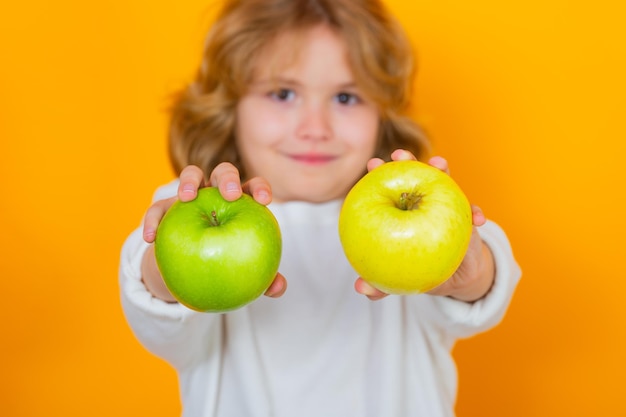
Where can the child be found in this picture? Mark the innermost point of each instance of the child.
(294, 101)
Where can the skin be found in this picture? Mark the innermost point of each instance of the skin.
(308, 121)
(319, 127)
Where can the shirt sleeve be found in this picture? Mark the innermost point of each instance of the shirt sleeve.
(169, 330)
(462, 319)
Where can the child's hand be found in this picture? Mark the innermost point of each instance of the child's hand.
(226, 178)
(474, 277)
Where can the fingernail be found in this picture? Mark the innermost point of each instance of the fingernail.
(369, 291)
(149, 234)
(272, 290)
(232, 187)
(189, 188)
(263, 195)
(364, 288)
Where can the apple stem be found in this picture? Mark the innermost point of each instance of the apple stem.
(214, 221)
(410, 201)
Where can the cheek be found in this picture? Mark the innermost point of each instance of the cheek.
(256, 125)
(362, 132)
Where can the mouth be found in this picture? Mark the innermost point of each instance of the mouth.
(313, 159)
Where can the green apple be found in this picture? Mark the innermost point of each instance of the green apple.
(405, 227)
(215, 255)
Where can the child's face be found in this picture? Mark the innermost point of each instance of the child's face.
(306, 127)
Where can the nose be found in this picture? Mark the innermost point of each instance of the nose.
(314, 123)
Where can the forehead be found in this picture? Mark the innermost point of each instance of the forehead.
(301, 49)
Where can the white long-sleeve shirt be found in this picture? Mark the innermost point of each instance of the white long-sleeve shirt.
(321, 350)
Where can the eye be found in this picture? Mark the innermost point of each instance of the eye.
(282, 94)
(347, 98)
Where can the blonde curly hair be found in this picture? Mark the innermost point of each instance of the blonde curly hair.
(202, 125)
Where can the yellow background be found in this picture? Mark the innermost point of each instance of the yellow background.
(527, 100)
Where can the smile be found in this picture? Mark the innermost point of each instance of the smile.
(313, 159)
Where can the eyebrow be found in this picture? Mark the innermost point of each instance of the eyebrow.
(275, 80)
(280, 80)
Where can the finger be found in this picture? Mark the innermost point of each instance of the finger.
(225, 176)
(278, 287)
(362, 287)
(439, 163)
(402, 155)
(260, 189)
(374, 163)
(478, 217)
(191, 179)
(153, 217)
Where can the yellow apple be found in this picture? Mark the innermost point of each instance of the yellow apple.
(405, 227)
